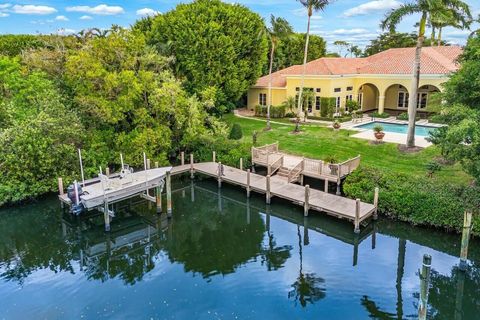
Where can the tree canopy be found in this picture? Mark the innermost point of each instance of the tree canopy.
(389, 40)
(195, 32)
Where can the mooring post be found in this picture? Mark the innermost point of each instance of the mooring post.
(156, 164)
(219, 174)
(325, 189)
(375, 203)
(339, 182)
(106, 216)
(424, 284)
(248, 183)
(192, 171)
(214, 156)
(192, 191)
(267, 194)
(169, 193)
(467, 227)
(158, 198)
(241, 164)
(459, 295)
(306, 206)
(306, 238)
(357, 216)
(107, 171)
(60, 186)
(148, 164)
(182, 158)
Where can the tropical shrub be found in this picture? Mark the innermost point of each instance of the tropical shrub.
(327, 107)
(236, 132)
(379, 115)
(419, 200)
(275, 111)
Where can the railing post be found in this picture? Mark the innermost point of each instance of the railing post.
(248, 183)
(182, 158)
(267, 194)
(219, 174)
(357, 216)
(169, 194)
(192, 171)
(326, 186)
(241, 164)
(375, 203)
(467, 227)
(424, 284)
(306, 206)
(303, 168)
(268, 163)
(321, 167)
(60, 186)
(214, 156)
(339, 180)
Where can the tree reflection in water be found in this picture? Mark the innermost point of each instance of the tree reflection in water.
(308, 288)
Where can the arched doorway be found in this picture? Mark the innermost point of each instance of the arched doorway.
(396, 98)
(368, 95)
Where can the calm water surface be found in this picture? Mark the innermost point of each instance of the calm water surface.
(223, 257)
(423, 131)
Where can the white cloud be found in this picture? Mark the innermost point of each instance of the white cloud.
(147, 12)
(61, 18)
(64, 31)
(5, 6)
(102, 9)
(32, 9)
(372, 7)
(86, 18)
(3, 14)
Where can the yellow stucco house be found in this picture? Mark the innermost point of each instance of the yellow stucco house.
(378, 83)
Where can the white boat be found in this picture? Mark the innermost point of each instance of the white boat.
(121, 187)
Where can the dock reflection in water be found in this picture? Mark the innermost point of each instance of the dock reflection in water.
(227, 255)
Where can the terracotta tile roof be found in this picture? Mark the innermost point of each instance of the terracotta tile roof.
(434, 60)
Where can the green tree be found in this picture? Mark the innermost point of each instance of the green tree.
(311, 6)
(389, 40)
(14, 44)
(279, 28)
(460, 141)
(215, 44)
(341, 45)
(426, 8)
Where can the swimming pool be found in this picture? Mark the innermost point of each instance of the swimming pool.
(420, 130)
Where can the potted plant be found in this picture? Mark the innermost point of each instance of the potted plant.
(336, 125)
(332, 164)
(378, 132)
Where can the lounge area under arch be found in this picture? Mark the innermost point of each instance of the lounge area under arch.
(368, 96)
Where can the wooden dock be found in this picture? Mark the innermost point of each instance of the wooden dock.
(311, 199)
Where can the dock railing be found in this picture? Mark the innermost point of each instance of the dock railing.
(272, 168)
(348, 166)
(296, 171)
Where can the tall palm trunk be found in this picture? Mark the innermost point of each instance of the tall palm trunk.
(412, 102)
(439, 40)
(302, 82)
(432, 36)
(269, 103)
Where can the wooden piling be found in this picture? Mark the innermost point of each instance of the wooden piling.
(192, 171)
(106, 216)
(156, 164)
(182, 158)
(357, 216)
(467, 227)
(325, 188)
(60, 186)
(375, 203)
(424, 284)
(339, 182)
(107, 171)
(248, 183)
(169, 193)
(267, 194)
(148, 164)
(306, 205)
(214, 156)
(241, 164)
(219, 174)
(158, 198)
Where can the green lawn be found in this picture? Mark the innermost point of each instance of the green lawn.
(318, 142)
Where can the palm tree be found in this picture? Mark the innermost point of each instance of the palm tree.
(311, 6)
(448, 18)
(426, 8)
(279, 28)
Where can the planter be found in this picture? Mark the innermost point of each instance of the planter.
(379, 135)
(336, 126)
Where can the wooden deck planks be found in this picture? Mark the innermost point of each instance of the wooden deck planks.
(319, 200)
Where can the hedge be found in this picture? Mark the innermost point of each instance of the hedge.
(275, 111)
(419, 201)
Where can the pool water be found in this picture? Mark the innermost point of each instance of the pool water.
(422, 131)
(223, 256)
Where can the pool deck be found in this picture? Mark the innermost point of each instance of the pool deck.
(392, 137)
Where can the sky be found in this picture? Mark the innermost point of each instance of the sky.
(355, 21)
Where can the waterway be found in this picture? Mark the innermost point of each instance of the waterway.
(222, 256)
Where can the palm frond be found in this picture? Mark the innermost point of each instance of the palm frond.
(395, 16)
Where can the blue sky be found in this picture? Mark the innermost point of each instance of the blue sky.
(355, 21)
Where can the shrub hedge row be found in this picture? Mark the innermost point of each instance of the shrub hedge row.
(275, 111)
(420, 201)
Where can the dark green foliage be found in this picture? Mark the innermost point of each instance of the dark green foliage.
(12, 45)
(339, 119)
(419, 201)
(236, 132)
(215, 44)
(432, 167)
(389, 40)
(379, 115)
(275, 111)
(404, 116)
(327, 106)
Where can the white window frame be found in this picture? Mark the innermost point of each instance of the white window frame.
(319, 99)
(338, 104)
(419, 98)
(260, 102)
(360, 99)
(405, 99)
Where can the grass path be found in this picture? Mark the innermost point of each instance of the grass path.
(319, 142)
